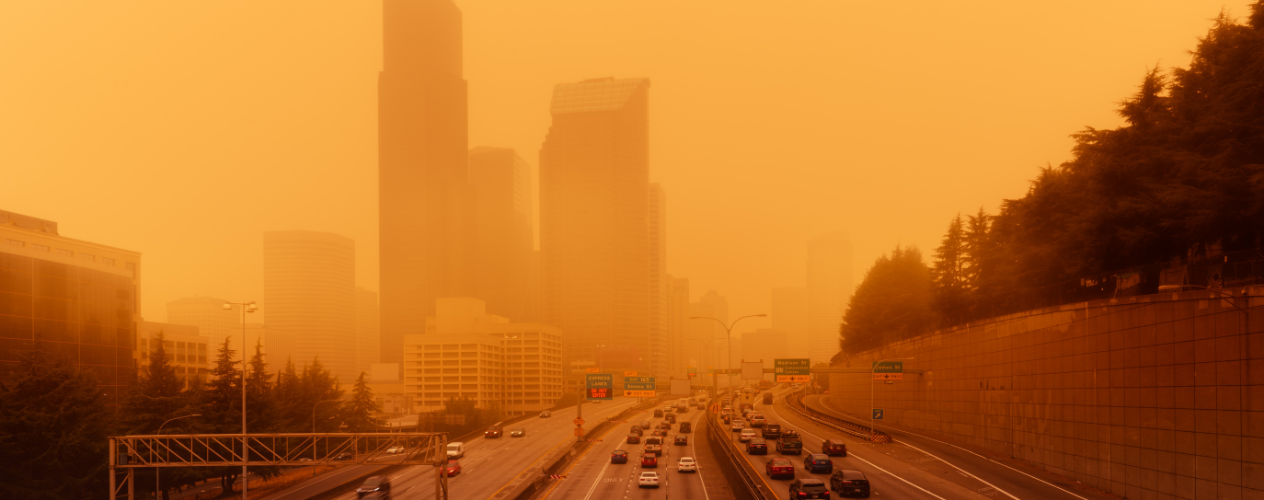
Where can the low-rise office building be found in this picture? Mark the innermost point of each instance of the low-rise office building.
(185, 347)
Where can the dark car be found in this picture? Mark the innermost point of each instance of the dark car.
(686, 427)
(645, 425)
(834, 448)
(671, 417)
(546, 414)
(682, 440)
(818, 462)
(493, 432)
(757, 446)
(664, 425)
(779, 468)
(659, 433)
(658, 413)
(772, 431)
(619, 457)
(376, 484)
(634, 438)
(682, 409)
(636, 429)
(808, 488)
(649, 460)
(517, 432)
(850, 482)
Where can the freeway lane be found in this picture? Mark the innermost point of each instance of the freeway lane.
(493, 466)
(592, 476)
(888, 477)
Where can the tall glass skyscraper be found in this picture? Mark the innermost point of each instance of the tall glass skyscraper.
(309, 292)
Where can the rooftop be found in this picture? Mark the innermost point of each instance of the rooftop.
(600, 94)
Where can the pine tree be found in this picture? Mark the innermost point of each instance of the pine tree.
(892, 303)
(158, 394)
(949, 274)
(261, 404)
(220, 404)
(358, 412)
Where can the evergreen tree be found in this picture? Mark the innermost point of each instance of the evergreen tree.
(288, 394)
(261, 404)
(949, 274)
(358, 412)
(220, 405)
(892, 303)
(157, 396)
(320, 385)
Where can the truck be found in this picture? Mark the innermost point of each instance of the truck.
(789, 443)
(654, 445)
(767, 398)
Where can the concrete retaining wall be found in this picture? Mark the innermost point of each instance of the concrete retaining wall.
(1159, 396)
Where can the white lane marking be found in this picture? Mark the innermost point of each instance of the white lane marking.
(599, 476)
(905, 443)
(853, 454)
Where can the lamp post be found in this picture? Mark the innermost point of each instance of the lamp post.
(873, 368)
(157, 470)
(246, 307)
(318, 403)
(728, 334)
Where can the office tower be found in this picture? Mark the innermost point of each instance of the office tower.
(594, 237)
(660, 284)
(424, 199)
(309, 291)
(677, 321)
(81, 300)
(503, 231)
(188, 352)
(829, 290)
(279, 347)
(710, 346)
(790, 316)
(368, 330)
(764, 344)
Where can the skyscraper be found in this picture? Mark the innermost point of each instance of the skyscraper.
(368, 330)
(424, 199)
(503, 231)
(659, 281)
(677, 321)
(703, 353)
(594, 235)
(309, 291)
(829, 289)
(790, 316)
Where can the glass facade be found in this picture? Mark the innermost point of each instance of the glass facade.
(81, 315)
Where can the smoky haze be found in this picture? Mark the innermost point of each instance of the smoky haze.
(187, 130)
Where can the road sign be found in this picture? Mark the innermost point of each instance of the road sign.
(792, 370)
(640, 394)
(629, 373)
(600, 386)
(888, 367)
(579, 431)
(692, 372)
(877, 413)
(592, 369)
(888, 376)
(578, 421)
(639, 387)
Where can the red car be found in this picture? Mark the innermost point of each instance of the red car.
(834, 448)
(779, 467)
(454, 468)
(650, 460)
(634, 438)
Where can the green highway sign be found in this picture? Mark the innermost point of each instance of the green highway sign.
(888, 367)
(599, 386)
(792, 370)
(638, 387)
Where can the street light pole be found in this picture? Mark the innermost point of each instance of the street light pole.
(157, 470)
(728, 335)
(714, 385)
(314, 432)
(872, 369)
(246, 307)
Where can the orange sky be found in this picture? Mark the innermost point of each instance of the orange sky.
(183, 130)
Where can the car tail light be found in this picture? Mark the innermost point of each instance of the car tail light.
(803, 495)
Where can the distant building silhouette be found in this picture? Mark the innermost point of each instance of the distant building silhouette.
(677, 326)
(186, 350)
(660, 283)
(594, 234)
(424, 200)
(829, 290)
(504, 232)
(368, 331)
(701, 353)
(790, 316)
(309, 291)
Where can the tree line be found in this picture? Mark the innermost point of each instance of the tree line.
(1182, 178)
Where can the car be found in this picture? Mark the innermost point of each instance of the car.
(670, 418)
(619, 457)
(818, 462)
(686, 427)
(493, 432)
(738, 425)
(772, 431)
(702, 406)
(746, 435)
(343, 456)
(834, 448)
(634, 438)
(686, 464)
(808, 487)
(517, 432)
(658, 413)
(649, 460)
(454, 467)
(757, 446)
(667, 408)
(789, 443)
(649, 479)
(645, 425)
(394, 449)
(658, 433)
(779, 468)
(757, 420)
(456, 449)
(682, 409)
(767, 398)
(664, 425)
(849, 482)
(681, 440)
(306, 459)
(380, 485)
(546, 414)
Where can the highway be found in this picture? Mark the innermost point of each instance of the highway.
(592, 476)
(490, 466)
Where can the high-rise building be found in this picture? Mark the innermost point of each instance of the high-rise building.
(710, 345)
(594, 235)
(790, 316)
(677, 323)
(829, 289)
(186, 350)
(309, 291)
(80, 300)
(424, 198)
(764, 344)
(504, 240)
(368, 330)
(279, 347)
(660, 284)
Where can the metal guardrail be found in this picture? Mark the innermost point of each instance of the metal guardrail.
(795, 401)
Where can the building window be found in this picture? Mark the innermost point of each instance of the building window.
(16, 242)
(87, 256)
(107, 261)
(65, 252)
(42, 248)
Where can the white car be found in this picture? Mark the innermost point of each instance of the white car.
(395, 449)
(648, 480)
(746, 435)
(738, 425)
(686, 464)
(456, 449)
